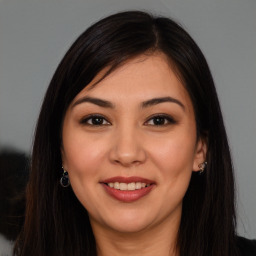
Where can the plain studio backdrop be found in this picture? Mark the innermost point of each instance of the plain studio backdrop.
(35, 34)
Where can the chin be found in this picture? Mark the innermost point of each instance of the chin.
(129, 226)
(128, 222)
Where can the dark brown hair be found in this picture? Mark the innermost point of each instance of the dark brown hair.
(56, 223)
(14, 175)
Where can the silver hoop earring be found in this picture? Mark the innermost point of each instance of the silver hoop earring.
(64, 180)
(202, 167)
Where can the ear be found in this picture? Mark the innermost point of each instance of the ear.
(200, 153)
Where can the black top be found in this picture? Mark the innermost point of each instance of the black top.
(246, 247)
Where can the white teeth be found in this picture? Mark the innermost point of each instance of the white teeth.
(123, 186)
(116, 185)
(138, 185)
(131, 186)
(128, 186)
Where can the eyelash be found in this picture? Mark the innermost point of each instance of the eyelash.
(85, 121)
(168, 120)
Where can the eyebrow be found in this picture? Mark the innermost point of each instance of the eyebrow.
(156, 101)
(144, 104)
(96, 101)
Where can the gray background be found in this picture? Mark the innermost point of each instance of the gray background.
(35, 34)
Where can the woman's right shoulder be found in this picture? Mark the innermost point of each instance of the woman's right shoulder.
(246, 246)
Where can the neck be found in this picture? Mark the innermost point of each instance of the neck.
(158, 240)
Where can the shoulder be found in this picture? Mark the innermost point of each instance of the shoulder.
(246, 246)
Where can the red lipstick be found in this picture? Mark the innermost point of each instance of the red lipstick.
(127, 180)
(128, 195)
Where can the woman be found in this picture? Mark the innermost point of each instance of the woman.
(130, 154)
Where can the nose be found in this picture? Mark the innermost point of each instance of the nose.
(127, 148)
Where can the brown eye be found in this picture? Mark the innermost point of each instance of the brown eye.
(95, 120)
(160, 120)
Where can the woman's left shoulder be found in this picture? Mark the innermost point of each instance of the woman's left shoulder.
(246, 246)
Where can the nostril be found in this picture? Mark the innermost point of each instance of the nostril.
(127, 163)
(127, 150)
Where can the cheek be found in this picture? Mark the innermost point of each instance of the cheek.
(176, 164)
(174, 159)
(82, 157)
(174, 154)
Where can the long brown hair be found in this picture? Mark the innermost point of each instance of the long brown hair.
(56, 223)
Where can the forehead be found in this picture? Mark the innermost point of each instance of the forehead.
(138, 79)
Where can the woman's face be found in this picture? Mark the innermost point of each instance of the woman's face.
(130, 145)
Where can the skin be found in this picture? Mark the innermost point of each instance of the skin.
(129, 143)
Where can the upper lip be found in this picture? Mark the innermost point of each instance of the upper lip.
(131, 179)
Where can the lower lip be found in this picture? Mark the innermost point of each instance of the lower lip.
(127, 195)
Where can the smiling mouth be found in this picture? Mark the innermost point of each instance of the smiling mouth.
(128, 189)
(127, 186)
